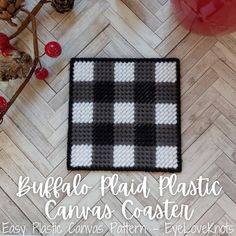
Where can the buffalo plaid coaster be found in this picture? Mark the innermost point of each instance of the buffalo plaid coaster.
(124, 114)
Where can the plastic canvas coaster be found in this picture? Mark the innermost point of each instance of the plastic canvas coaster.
(124, 114)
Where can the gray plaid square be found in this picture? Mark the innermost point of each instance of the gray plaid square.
(123, 134)
(145, 113)
(124, 92)
(103, 112)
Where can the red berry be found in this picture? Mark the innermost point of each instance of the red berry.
(41, 73)
(3, 104)
(4, 41)
(53, 49)
(7, 51)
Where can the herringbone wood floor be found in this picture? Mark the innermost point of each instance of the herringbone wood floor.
(33, 135)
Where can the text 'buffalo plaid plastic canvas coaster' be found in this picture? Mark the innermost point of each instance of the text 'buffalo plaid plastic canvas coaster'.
(124, 114)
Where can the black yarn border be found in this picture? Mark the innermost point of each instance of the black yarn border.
(150, 169)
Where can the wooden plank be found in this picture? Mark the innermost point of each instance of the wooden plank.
(229, 187)
(27, 207)
(132, 37)
(30, 131)
(198, 89)
(59, 154)
(141, 9)
(228, 41)
(223, 142)
(167, 27)
(225, 73)
(120, 43)
(165, 11)
(226, 220)
(33, 166)
(22, 105)
(60, 134)
(227, 166)
(200, 207)
(151, 5)
(191, 134)
(197, 53)
(86, 14)
(225, 55)
(195, 111)
(60, 115)
(13, 213)
(228, 206)
(226, 90)
(25, 145)
(61, 98)
(214, 214)
(185, 46)
(226, 127)
(135, 23)
(197, 71)
(173, 39)
(15, 171)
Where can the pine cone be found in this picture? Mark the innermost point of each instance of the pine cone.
(63, 6)
(9, 8)
(16, 65)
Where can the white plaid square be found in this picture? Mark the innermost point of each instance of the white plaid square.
(165, 72)
(81, 155)
(123, 113)
(166, 157)
(123, 156)
(83, 71)
(166, 113)
(82, 112)
(124, 72)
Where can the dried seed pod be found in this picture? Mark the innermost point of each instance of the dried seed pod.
(15, 65)
(9, 9)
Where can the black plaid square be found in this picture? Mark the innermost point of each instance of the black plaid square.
(145, 92)
(145, 135)
(124, 114)
(103, 91)
(103, 134)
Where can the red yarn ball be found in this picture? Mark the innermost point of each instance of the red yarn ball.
(207, 17)
(41, 73)
(53, 49)
(4, 41)
(3, 104)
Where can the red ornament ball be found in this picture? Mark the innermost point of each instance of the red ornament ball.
(3, 104)
(53, 49)
(207, 17)
(4, 41)
(41, 73)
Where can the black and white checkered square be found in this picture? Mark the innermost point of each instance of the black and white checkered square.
(124, 114)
